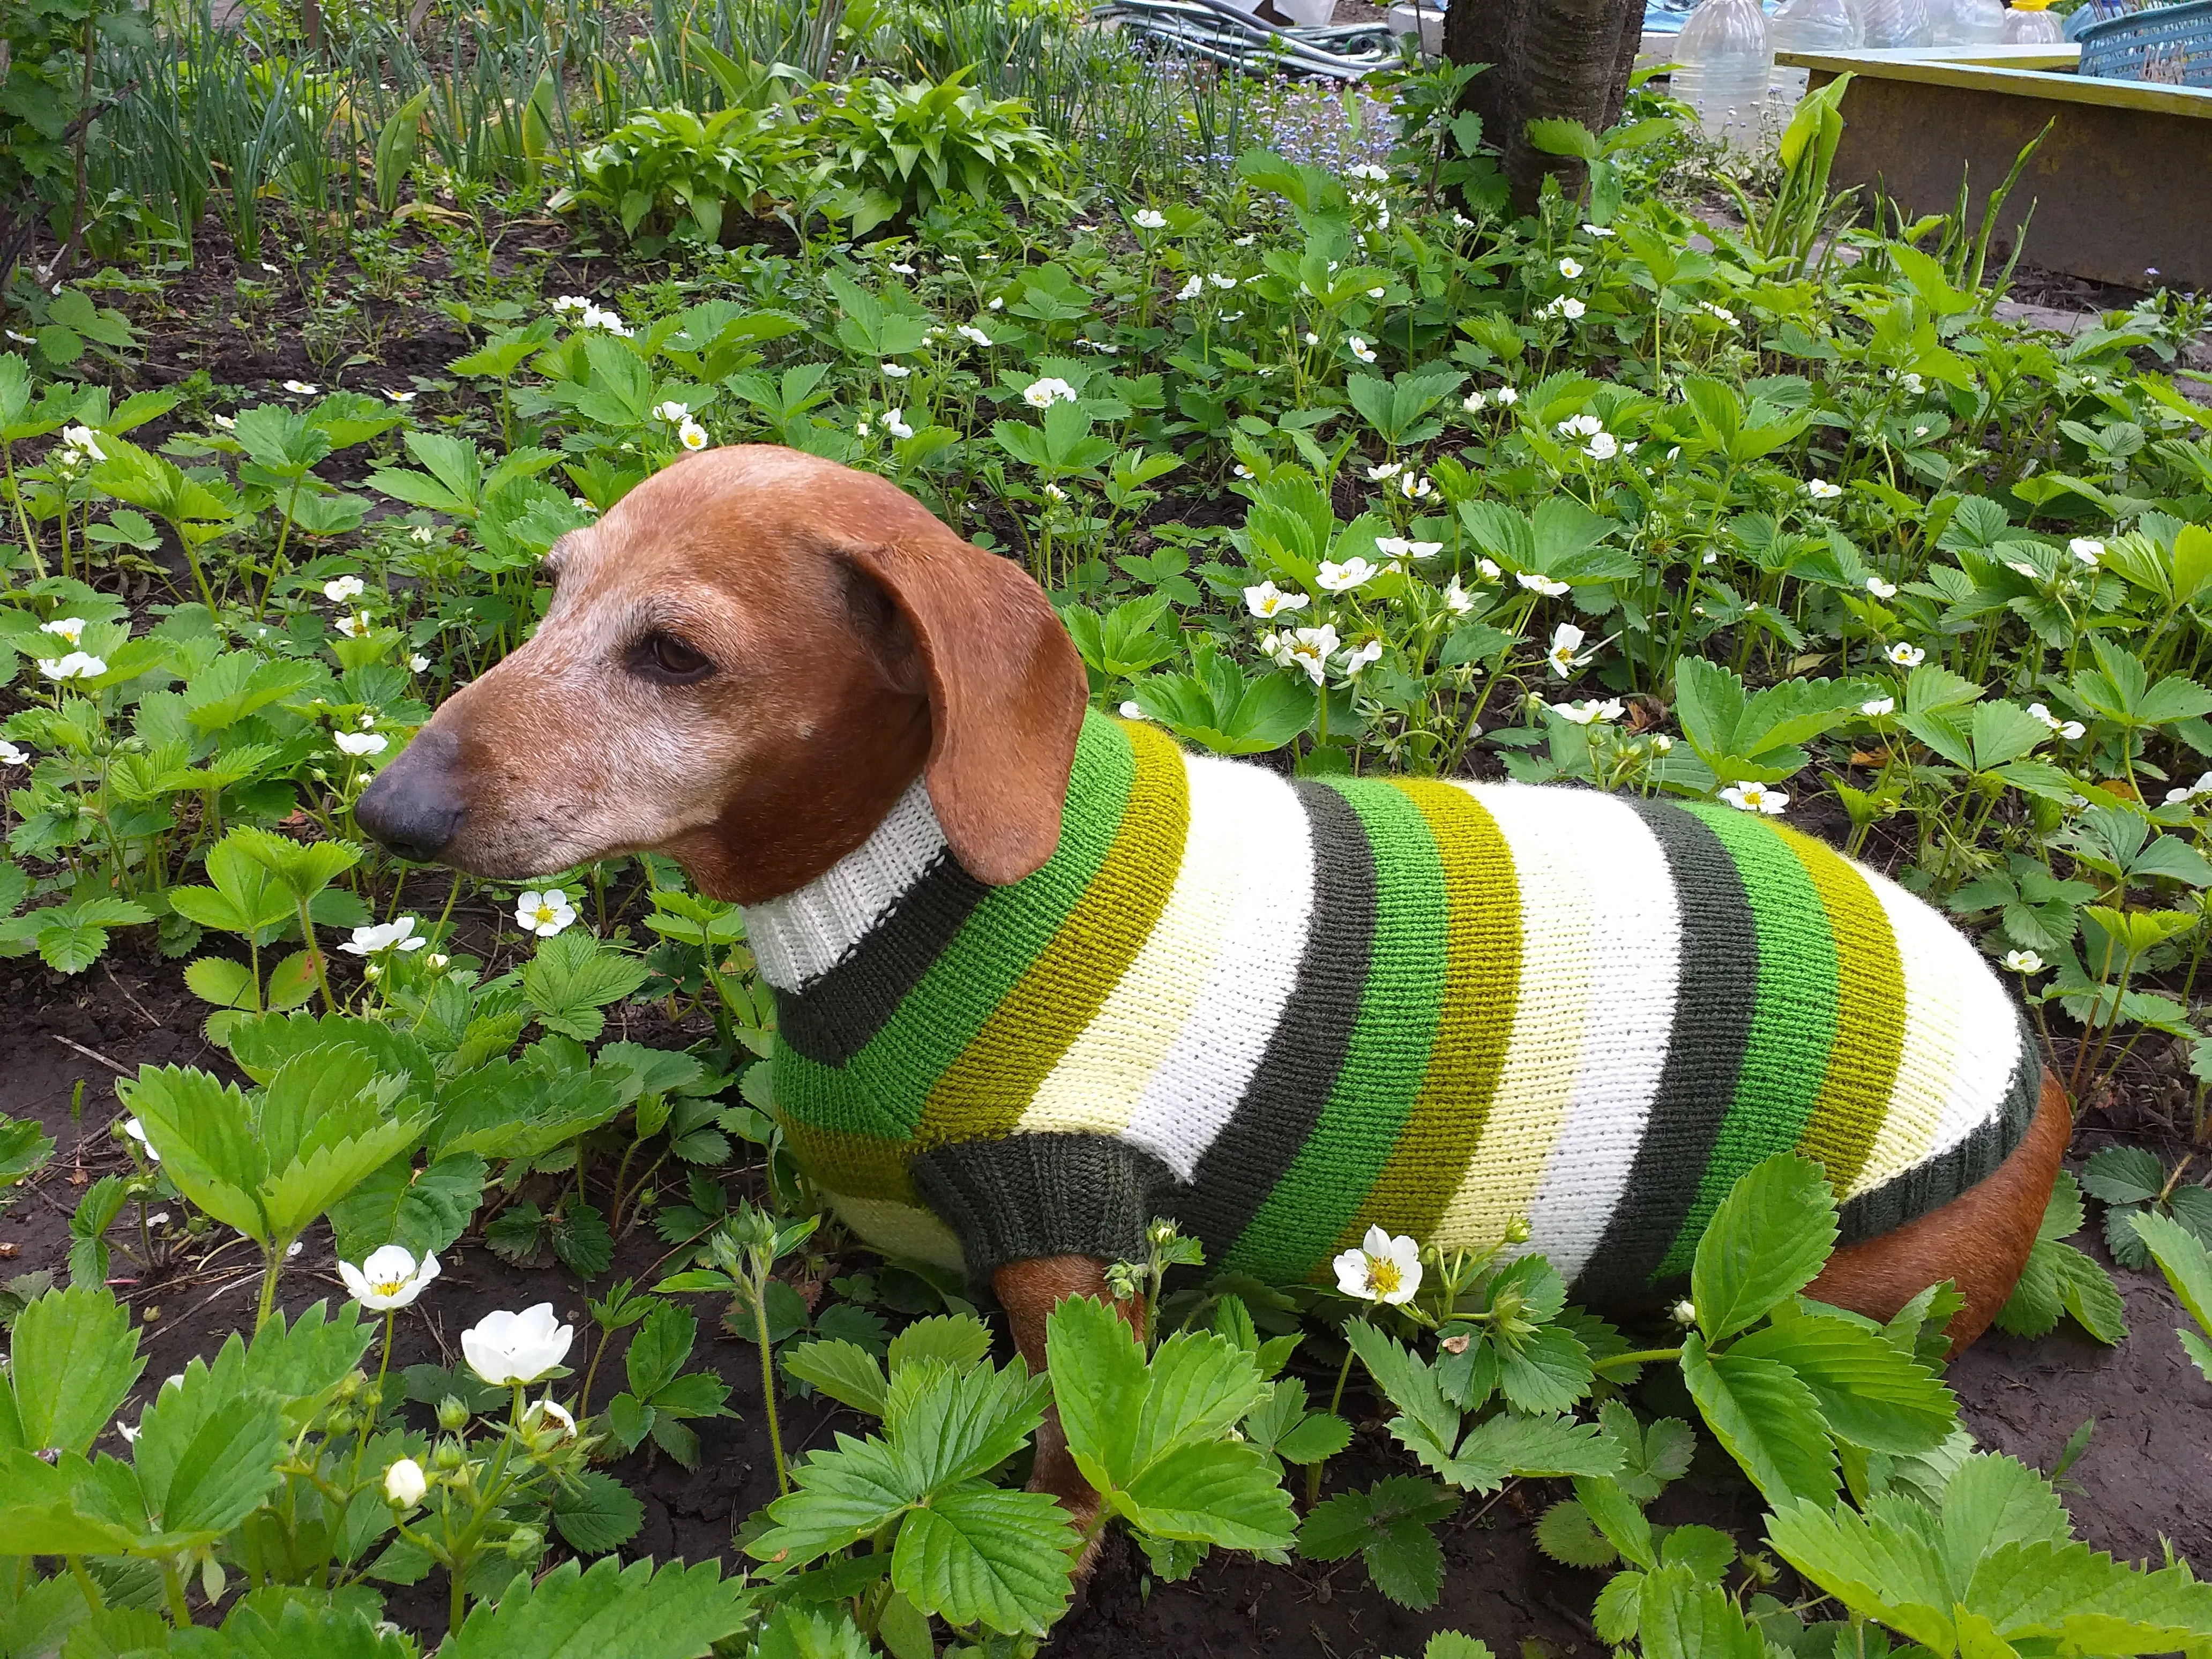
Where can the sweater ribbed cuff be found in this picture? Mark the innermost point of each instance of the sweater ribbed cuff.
(1030, 1195)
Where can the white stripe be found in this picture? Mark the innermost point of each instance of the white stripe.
(802, 935)
(1939, 1050)
(1096, 1083)
(1558, 871)
(1637, 942)
(1987, 1032)
(1204, 1073)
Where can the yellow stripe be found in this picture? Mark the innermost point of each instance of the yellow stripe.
(1482, 971)
(1547, 831)
(898, 1229)
(1095, 1087)
(982, 1094)
(1935, 1004)
(1863, 1059)
(864, 1166)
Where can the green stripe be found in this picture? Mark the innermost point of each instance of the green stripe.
(882, 1091)
(1793, 1023)
(1869, 1040)
(982, 1094)
(1482, 979)
(1388, 1055)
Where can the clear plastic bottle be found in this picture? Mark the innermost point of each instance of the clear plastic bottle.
(1969, 22)
(1891, 23)
(1724, 62)
(2032, 26)
(1810, 26)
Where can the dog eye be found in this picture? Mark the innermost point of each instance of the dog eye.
(664, 657)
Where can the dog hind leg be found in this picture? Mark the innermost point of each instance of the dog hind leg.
(1980, 1240)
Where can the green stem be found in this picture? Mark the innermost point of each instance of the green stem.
(1640, 1357)
(1335, 1399)
(173, 1587)
(768, 1380)
(276, 1254)
(86, 1585)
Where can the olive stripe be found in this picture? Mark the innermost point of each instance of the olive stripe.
(1482, 971)
(1870, 1016)
(982, 1093)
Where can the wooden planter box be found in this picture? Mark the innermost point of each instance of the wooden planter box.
(2121, 187)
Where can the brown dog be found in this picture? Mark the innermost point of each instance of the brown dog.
(834, 711)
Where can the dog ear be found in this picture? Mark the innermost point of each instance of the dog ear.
(1006, 695)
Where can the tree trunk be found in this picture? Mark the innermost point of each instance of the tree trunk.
(1548, 58)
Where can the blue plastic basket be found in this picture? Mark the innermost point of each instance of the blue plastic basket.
(2172, 44)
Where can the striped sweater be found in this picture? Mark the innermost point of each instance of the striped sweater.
(1280, 1010)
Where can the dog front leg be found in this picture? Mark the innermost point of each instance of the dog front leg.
(1029, 1290)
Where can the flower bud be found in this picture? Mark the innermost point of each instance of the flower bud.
(525, 1543)
(1685, 1313)
(405, 1484)
(448, 1457)
(452, 1416)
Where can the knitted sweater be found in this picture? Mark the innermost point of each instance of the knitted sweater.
(1280, 1010)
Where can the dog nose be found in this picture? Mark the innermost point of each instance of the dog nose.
(413, 807)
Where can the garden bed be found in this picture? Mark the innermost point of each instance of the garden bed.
(1629, 494)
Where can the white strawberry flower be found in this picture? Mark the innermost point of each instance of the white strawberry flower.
(1760, 797)
(361, 745)
(380, 937)
(390, 1278)
(1383, 1269)
(1268, 600)
(1590, 711)
(1550, 587)
(339, 589)
(1566, 641)
(544, 914)
(1905, 656)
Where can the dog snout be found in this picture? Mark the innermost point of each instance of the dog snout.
(414, 805)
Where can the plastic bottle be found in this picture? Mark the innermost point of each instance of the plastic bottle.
(1969, 22)
(2031, 24)
(1892, 23)
(1810, 26)
(1724, 64)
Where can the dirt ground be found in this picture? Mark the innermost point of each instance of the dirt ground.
(2144, 1478)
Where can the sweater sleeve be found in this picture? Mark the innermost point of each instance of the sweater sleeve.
(1025, 1196)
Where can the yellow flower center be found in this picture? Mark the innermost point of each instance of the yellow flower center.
(1382, 1275)
(387, 1286)
(542, 915)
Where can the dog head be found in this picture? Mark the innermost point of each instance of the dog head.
(745, 663)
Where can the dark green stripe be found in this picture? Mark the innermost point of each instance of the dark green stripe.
(1713, 997)
(833, 1018)
(882, 1090)
(1307, 1046)
(1386, 1059)
(1793, 1025)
